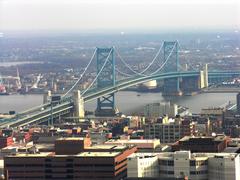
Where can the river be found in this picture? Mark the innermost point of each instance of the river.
(127, 101)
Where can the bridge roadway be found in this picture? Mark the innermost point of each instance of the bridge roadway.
(43, 112)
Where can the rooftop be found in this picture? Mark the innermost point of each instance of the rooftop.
(232, 149)
(194, 156)
(43, 154)
(206, 138)
(225, 155)
(98, 154)
(71, 139)
(133, 141)
(83, 154)
(107, 147)
(143, 155)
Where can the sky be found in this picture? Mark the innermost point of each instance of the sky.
(120, 15)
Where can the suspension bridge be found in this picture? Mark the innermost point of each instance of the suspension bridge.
(164, 66)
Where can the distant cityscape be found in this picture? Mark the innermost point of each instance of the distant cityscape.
(55, 62)
(60, 138)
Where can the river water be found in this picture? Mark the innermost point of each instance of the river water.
(126, 101)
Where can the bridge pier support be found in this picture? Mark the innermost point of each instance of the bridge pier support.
(47, 97)
(205, 72)
(78, 105)
(190, 85)
(172, 87)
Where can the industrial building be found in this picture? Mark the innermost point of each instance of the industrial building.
(169, 132)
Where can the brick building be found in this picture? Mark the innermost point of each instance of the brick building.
(202, 144)
(91, 162)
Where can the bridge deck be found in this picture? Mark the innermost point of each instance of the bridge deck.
(42, 113)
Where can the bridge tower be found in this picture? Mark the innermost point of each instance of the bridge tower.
(106, 104)
(170, 50)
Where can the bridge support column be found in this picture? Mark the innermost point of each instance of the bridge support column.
(106, 104)
(47, 97)
(205, 72)
(78, 105)
(191, 85)
(171, 86)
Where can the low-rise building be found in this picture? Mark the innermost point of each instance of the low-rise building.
(142, 144)
(202, 144)
(168, 132)
(71, 145)
(102, 163)
(231, 122)
(6, 141)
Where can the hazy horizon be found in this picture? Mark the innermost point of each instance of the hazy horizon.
(119, 16)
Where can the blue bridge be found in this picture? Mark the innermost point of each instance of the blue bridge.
(104, 85)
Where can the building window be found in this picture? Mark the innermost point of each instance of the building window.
(69, 160)
(171, 163)
(192, 163)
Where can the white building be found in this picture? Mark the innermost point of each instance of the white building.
(142, 165)
(147, 144)
(160, 109)
(224, 166)
(180, 164)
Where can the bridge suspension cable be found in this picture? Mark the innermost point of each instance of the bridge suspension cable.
(180, 47)
(164, 63)
(144, 70)
(155, 57)
(128, 66)
(79, 79)
(117, 70)
(123, 73)
(97, 74)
